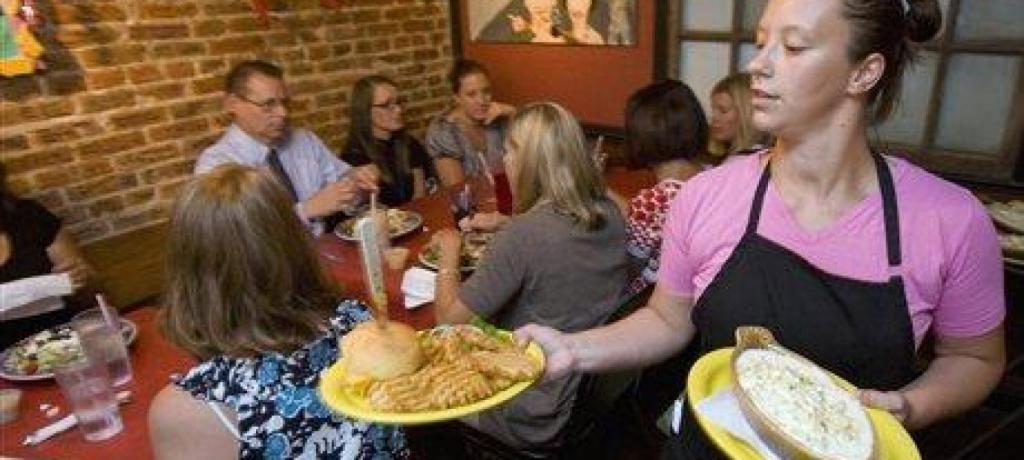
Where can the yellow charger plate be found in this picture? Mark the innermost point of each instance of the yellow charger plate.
(712, 373)
(344, 400)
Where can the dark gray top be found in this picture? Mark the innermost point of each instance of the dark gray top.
(445, 139)
(542, 268)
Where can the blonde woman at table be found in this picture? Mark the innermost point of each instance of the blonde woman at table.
(732, 128)
(848, 256)
(560, 261)
(248, 300)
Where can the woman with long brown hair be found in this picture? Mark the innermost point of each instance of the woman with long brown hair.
(247, 298)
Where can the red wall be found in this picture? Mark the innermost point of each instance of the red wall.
(591, 81)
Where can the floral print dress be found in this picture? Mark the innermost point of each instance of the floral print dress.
(278, 411)
(647, 213)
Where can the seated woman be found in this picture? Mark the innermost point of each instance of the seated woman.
(33, 243)
(469, 138)
(376, 136)
(665, 131)
(246, 298)
(732, 129)
(560, 261)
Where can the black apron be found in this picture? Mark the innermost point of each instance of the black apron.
(859, 330)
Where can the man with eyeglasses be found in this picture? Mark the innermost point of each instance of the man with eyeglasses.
(321, 184)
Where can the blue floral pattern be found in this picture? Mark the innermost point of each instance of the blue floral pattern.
(279, 413)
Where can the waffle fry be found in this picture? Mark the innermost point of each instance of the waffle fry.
(464, 365)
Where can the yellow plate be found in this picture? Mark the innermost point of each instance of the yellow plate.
(712, 372)
(344, 400)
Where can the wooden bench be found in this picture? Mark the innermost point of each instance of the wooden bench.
(130, 266)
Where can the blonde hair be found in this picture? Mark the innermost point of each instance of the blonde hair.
(555, 165)
(737, 86)
(241, 275)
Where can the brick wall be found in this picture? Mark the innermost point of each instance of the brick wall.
(107, 135)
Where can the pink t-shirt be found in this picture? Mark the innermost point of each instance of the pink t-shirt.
(952, 268)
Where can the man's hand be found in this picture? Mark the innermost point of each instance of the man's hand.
(331, 199)
(365, 177)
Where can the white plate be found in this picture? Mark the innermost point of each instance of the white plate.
(411, 222)
(481, 239)
(128, 329)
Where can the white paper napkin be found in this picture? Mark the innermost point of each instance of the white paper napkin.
(723, 409)
(418, 287)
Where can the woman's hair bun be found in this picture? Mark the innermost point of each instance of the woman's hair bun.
(924, 19)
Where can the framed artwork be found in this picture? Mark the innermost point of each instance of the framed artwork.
(553, 22)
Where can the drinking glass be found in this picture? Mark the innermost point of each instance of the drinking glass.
(462, 202)
(86, 386)
(101, 340)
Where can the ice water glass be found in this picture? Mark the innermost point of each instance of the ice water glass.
(100, 340)
(86, 386)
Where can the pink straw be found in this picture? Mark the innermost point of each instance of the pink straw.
(108, 313)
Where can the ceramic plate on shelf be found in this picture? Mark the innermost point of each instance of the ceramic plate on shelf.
(400, 223)
(33, 357)
(713, 372)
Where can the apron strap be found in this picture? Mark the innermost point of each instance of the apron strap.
(892, 221)
(755, 207)
(889, 212)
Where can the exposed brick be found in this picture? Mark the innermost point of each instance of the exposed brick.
(418, 25)
(182, 69)
(192, 147)
(37, 160)
(87, 12)
(425, 55)
(225, 8)
(50, 199)
(64, 83)
(66, 132)
(167, 171)
(98, 102)
(111, 144)
(75, 36)
(20, 89)
(170, 31)
(167, 10)
(162, 91)
(242, 44)
(139, 118)
(107, 205)
(178, 49)
(188, 109)
(102, 186)
(52, 177)
(171, 188)
(93, 167)
(132, 161)
(210, 27)
(245, 24)
(367, 16)
(137, 219)
(138, 197)
(144, 73)
(105, 78)
(207, 85)
(111, 55)
(335, 34)
(178, 130)
(212, 65)
(12, 144)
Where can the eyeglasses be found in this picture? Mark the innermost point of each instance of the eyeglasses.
(391, 105)
(268, 105)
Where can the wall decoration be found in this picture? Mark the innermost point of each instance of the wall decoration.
(557, 22)
(20, 52)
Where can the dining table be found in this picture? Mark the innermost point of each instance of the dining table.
(155, 361)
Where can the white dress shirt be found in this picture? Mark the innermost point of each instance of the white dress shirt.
(309, 163)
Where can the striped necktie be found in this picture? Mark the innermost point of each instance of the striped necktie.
(274, 161)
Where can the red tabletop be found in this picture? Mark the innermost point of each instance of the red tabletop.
(154, 360)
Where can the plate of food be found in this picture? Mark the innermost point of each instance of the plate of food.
(474, 246)
(763, 376)
(400, 223)
(1008, 214)
(34, 357)
(391, 374)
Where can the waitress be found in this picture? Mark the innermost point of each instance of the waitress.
(849, 257)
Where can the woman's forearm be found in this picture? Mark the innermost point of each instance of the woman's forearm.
(961, 376)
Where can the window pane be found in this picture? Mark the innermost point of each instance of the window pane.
(747, 52)
(976, 104)
(707, 15)
(701, 65)
(991, 19)
(907, 124)
(752, 13)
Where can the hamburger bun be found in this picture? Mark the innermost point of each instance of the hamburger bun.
(381, 351)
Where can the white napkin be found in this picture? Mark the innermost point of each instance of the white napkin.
(418, 287)
(723, 409)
